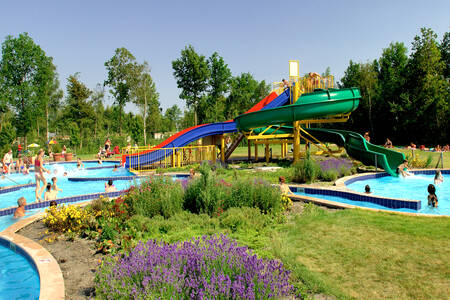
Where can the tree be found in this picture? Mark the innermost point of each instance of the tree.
(429, 89)
(27, 78)
(121, 71)
(192, 73)
(172, 118)
(445, 53)
(392, 105)
(78, 109)
(144, 95)
(213, 105)
(245, 92)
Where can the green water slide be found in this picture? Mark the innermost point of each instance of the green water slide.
(320, 104)
(358, 148)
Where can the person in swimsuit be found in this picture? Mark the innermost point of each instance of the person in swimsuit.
(49, 194)
(402, 169)
(55, 187)
(39, 175)
(7, 161)
(438, 178)
(109, 186)
(79, 163)
(432, 198)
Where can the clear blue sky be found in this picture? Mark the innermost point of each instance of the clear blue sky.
(253, 36)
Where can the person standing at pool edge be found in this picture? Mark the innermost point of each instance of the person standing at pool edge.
(39, 174)
(7, 161)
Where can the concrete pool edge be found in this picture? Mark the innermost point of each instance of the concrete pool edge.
(51, 281)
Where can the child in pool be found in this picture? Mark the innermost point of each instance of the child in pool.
(55, 187)
(402, 169)
(438, 178)
(49, 195)
(367, 189)
(432, 198)
(109, 186)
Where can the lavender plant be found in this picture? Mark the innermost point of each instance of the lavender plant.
(205, 268)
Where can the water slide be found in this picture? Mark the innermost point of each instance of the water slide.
(360, 149)
(194, 133)
(321, 104)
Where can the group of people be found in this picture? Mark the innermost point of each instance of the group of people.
(8, 165)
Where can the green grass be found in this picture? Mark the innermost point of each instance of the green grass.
(351, 254)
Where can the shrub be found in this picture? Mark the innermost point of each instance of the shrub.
(206, 193)
(306, 170)
(159, 195)
(67, 219)
(210, 195)
(204, 268)
(329, 175)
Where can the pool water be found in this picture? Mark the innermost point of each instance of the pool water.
(69, 188)
(411, 187)
(57, 170)
(19, 278)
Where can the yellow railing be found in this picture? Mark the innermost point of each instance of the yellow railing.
(142, 159)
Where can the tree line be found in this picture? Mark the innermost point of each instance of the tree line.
(33, 104)
(404, 97)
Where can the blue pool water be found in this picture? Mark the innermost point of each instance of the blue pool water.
(9, 220)
(69, 188)
(19, 278)
(58, 170)
(411, 187)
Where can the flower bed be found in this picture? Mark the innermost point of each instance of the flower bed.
(204, 268)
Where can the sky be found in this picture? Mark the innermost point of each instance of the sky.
(254, 36)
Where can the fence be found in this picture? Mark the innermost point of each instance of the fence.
(141, 159)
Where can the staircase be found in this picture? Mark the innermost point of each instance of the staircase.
(233, 146)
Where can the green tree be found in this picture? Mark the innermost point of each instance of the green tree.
(445, 53)
(172, 118)
(245, 92)
(27, 78)
(212, 105)
(429, 89)
(121, 76)
(392, 79)
(192, 73)
(78, 110)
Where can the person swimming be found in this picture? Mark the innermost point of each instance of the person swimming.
(432, 198)
(438, 178)
(79, 163)
(367, 189)
(402, 169)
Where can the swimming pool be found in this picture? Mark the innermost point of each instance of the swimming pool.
(19, 278)
(57, 170)
(411, 187)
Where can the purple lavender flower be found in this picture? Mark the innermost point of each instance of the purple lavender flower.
(204, 268)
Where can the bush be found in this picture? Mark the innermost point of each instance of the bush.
(306, 170)
(329, 175)
(204, 268)
(159, 195)
(210, 195)
(67, 219)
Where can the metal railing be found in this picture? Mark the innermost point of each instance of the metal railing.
(142, 159)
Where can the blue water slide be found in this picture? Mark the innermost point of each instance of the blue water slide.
(193, 135)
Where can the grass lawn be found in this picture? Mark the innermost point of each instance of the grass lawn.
(351, 254)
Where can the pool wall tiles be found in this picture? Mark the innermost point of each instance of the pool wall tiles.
(16, 187)
(10, 211)
(386, 202)
(101, 178)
